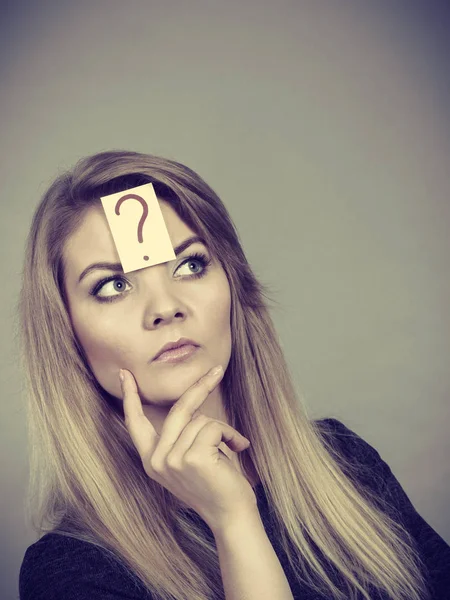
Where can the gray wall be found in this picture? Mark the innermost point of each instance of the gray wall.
(324, 128)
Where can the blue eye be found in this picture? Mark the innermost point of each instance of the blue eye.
(199, 257)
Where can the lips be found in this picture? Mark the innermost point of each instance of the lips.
(172, 345)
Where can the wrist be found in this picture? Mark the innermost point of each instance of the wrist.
(235, 523)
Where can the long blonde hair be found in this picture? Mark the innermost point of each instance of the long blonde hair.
(86, 477)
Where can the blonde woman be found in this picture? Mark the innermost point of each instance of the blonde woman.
(177, 483)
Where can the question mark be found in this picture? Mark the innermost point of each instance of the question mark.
(143, 217)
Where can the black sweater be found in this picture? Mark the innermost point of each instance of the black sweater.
(61, 568)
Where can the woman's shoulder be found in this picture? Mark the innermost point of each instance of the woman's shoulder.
(58, 566)
(54, 548)
(359, 460)
(346, 441)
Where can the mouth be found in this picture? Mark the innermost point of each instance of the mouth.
(175, 355)
(173, 345)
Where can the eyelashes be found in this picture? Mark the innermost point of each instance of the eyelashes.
(199, 257)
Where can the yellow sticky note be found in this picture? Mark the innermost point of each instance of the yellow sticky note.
(138, 228)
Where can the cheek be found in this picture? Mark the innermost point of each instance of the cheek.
(217, 322)
(216, 300)
(106, 352)
(104, 345)
(216, 311)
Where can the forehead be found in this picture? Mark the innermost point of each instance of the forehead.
(93, 241)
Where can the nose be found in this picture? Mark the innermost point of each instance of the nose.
(163, 299)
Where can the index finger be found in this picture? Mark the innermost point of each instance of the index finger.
(141, 430)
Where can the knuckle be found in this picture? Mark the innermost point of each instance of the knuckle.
(191, 459)
(214, 425)
(156, 465)
(173, 463)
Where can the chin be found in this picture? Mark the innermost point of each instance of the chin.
(170, 381)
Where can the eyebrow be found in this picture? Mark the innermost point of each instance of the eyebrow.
(195, 239)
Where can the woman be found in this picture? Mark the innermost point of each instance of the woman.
(338, 524)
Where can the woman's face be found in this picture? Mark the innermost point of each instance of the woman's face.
(149, 307)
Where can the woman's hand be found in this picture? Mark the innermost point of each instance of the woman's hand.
(186, 458)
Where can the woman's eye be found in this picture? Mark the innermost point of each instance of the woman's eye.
(116, 284)
(198, 258)
(187, 267)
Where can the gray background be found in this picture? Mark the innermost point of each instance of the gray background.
(323, 125)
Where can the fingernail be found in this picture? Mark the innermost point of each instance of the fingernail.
(121, 375)
(216, 370)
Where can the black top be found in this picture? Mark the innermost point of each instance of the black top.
(61, 568)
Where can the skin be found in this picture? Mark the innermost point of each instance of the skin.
(152, 306)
